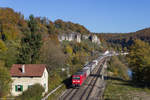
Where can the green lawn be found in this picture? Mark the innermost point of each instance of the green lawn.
(123, 90)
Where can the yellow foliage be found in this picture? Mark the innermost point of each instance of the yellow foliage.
(54, 38)
(115, 72)
(9, 23)
(69, 49)
(2, 46)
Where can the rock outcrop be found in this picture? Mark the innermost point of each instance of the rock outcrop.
(74, 36)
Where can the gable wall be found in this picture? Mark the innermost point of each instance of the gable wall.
(26, 81)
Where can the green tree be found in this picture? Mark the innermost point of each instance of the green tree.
(32, 23)
(30, 48)
(9, 56)
(33, 93)
(139, 61)
(30, 44)
(5, 81)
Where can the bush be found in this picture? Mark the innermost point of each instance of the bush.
(118, 68)
(33, 93)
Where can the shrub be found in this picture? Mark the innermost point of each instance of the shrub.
(118, 68)
(33, 93)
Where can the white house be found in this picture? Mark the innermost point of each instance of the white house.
(24, 76)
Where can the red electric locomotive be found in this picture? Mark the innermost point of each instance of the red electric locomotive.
(78, 78)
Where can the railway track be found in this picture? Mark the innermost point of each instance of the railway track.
(85, 91)
(94, 82)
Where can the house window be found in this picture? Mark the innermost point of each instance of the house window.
(19, 88)
(44, 85)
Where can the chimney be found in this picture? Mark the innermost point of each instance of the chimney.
(23, 68)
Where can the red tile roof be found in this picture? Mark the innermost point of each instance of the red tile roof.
(31, 70)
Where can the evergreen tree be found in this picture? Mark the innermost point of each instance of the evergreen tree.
(30, 44)
(30, 47)
(32, 23)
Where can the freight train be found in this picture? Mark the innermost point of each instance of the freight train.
(79, 77)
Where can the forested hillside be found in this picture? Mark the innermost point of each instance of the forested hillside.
(125, 39)
(15, 30)
(35, 41)
(13, 25)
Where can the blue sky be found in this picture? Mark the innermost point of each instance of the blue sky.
(96, 15)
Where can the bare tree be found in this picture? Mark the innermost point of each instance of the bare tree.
(52, 55)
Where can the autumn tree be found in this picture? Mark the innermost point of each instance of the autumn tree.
(30, 44)
(2, 46)
(70, 27)
(11, 24)
(51, 28)
(68, 50)
(139, 61)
